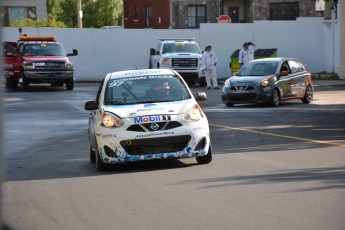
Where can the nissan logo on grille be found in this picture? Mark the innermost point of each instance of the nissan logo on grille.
(154, 126)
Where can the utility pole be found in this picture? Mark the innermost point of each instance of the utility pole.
(79, 14)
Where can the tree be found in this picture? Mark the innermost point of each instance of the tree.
(37, 23)
(102, 13)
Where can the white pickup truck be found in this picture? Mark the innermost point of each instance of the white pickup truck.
(182, 55)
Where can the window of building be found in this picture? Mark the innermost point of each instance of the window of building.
(284, 11)
(196, 15)
(148, 16)
(11, 14)
(136, 13)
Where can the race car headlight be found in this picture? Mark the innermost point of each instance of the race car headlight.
(263, 83)
(194, 114)
(227, 83)
(111, 121)
(166, 61)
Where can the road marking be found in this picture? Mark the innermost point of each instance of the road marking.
(280, 135)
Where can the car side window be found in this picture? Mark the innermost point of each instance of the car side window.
(295, 67)
(8, 49)
(285, 67)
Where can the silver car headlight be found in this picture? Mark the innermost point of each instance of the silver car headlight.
(110, 120)
(194, 113)
(263, 83)
(227, 83)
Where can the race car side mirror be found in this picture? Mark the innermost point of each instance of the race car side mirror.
(91, 105)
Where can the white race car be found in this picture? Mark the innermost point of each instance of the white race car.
(145, 115)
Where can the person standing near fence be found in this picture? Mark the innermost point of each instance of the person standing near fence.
(246, 54)
(209, 61)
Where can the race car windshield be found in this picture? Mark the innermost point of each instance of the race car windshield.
(258, 69)
(43, 49)
(145, 89)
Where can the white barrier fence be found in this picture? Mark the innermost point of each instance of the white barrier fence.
(102, 51)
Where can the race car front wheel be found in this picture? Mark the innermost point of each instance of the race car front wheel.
(205, 159)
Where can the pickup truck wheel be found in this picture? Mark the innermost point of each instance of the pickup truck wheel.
(70, 84)
(11, 83)
(202, 83)
(23, 82)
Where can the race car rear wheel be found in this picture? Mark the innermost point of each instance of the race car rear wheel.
(100, 166)
(205, 159)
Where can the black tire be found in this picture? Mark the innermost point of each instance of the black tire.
(100, 166)
(191, 83)
(24, 84)
(275, 98)
(70, 84)
(11, 83)
(205, 159)
(230, 104)
(202, 83)
(92, 155)
(308, 96)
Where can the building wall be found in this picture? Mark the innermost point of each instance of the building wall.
(104, 51)
(160, 13)
(41, 6)
(180, 14)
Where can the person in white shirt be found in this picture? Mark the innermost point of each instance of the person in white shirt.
(246, 54)
(209, 61)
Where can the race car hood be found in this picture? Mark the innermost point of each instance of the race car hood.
(45, 58)
(248, 79)
(162, 108)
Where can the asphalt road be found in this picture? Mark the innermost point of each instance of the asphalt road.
(273, 168)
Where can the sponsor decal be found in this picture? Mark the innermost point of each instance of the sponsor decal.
(155, 134)
(150, 109)
(138, 120)
(108, 135)
(198, 129)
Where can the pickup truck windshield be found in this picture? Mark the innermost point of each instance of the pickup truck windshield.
(43, 49)
(180, 47)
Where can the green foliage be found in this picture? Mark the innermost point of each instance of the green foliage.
(102, 13)
(63, 13)
(69, 13)
(38, 23)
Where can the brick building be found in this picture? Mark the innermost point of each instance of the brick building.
(187, 14)
(146, 14)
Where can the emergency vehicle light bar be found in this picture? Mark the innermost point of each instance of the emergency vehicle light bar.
(36, 38)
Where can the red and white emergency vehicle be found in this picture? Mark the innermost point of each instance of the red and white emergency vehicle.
(37, 59)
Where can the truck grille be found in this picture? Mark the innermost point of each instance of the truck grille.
(184, 62)
(50, 65)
